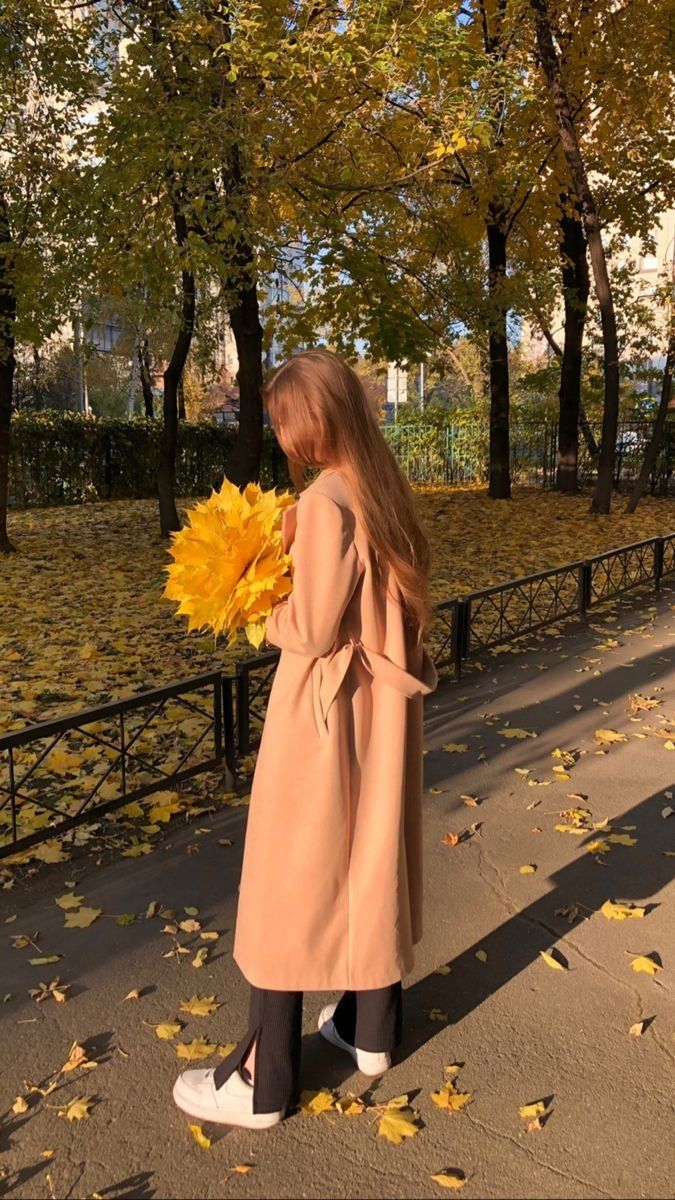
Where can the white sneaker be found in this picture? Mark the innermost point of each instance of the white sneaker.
(232, 1104)
(369, 1062)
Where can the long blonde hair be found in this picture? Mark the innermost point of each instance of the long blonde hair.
(323, 417)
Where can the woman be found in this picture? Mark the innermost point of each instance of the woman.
(330, 895)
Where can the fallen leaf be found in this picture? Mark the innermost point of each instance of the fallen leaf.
(397, 1123)
(315, 1103)
(536, 1109)
(517, 733)
(82, 918)
(450, 1179)
(643, 963)
(199, 1006)
(70, 900)
(77, 1109)
(168, 1029)
(620, 912)
(451, 1100)
(200, 1137)
(607, 737)
(528, 869)
(455, 747)
(481, 955)
(551, 961)
(195, 1050)
(637, 1029)
(350, 1106)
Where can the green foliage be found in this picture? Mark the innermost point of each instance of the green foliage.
(66, 458)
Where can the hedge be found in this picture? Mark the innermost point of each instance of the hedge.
(66, 458)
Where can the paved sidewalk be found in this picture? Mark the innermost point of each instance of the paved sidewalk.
(523, 1030)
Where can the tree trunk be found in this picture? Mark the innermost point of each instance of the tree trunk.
(568, 139)
(146, 377)
(657, 432)
(166, 473)
(181, 399)
(500, 477)
(7, 364)
(243, 463)
(575, 282)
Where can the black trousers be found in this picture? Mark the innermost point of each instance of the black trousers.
(371, 1020)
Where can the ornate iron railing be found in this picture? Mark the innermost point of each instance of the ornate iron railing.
(57, 774)
(112, 739)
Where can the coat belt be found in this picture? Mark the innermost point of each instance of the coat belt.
(328, 673)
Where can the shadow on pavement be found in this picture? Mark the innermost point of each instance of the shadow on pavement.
(635, 873)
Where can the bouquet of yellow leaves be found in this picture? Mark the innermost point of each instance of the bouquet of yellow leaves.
(229, 566)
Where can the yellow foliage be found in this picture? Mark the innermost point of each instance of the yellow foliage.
(229, 566)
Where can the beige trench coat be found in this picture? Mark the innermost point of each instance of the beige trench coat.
(331, 886)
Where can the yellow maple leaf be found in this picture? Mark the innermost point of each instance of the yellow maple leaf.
(397, 1123)
(517, 733)
(315, 1103)
(200, 1137)
(536, 1109)
(82, 918)
(620, 912)
(77, 1109)
(350, 1106)
(168, 1029)
(455, 747)
(643, 963)
(228, 564)
(451, 1100)
(607, 737)
(49, 852)
(195, 1050)
(70, 900)
(224, 1050)
(528, 869)
(200, 1006)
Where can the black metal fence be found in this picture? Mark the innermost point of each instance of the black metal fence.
(120, 752)
(57, 774)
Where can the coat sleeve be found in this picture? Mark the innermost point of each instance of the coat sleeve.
(326, 569)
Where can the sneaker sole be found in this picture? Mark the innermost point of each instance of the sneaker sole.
(243, 1120)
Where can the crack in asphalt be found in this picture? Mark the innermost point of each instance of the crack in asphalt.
(502, 895)
(585, 1183)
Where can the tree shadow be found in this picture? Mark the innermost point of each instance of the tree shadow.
(629, 874)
